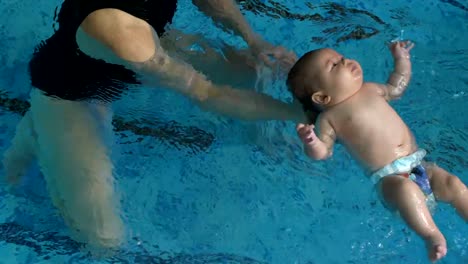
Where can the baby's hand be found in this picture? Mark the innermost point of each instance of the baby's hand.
(306, 133)
(401, 49)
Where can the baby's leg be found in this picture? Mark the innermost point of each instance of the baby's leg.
(405, 196)
(78, 170)
(449, 188)
(22, 151)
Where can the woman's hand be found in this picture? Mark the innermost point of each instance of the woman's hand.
(272, 55)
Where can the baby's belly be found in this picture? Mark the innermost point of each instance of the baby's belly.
(375, 152)
(374, 159)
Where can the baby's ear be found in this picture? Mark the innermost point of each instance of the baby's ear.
(320, 98)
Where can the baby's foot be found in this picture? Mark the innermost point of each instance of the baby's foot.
(437, 247)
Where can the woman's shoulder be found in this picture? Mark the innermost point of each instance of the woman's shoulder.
(129, 37)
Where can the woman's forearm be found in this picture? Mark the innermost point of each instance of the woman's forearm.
(249, 105)
(166, 71)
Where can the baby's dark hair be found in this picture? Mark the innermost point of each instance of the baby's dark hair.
(308, 105)
(297, 82)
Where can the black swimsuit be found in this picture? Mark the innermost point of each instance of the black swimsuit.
(60, 69)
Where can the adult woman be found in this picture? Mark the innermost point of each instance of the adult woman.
(99, 50)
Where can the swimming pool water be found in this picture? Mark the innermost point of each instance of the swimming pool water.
(247, 194)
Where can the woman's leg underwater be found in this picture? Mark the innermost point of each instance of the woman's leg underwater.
(19, 156)
(74, 159)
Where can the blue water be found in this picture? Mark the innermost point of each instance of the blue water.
(251, 196)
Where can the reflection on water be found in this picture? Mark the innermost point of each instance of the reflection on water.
(338, 21)
(47, 245)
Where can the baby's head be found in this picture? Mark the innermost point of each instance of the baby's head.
(322, 78)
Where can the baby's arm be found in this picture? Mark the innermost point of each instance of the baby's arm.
(401, 75)
(318, 148)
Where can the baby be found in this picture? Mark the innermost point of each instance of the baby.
(358, 114)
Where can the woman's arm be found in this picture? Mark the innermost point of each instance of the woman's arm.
(135, 41)
(228, 14)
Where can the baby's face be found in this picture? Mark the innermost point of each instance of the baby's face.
(335, 75)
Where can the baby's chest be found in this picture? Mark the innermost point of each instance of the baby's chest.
(356, 115)
(361, 119)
